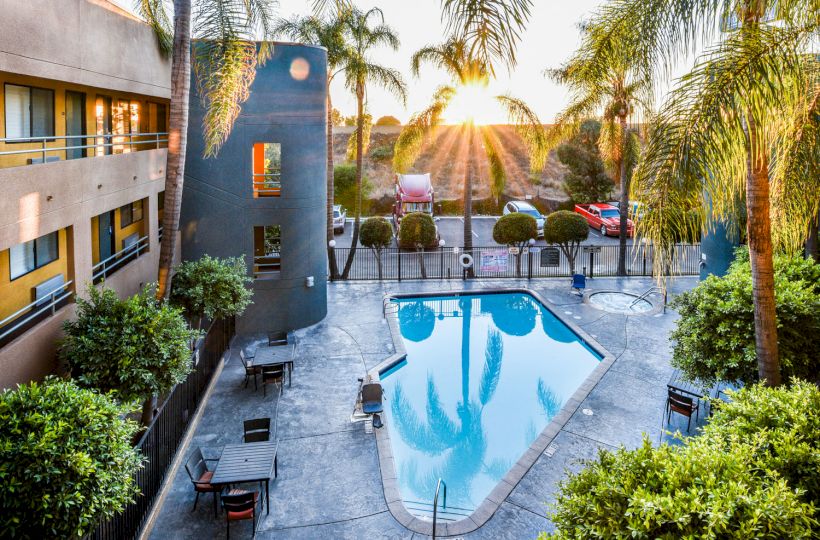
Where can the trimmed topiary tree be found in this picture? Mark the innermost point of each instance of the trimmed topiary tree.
(515, 230)
(66, 460)
(211, 288)
(418, 231)
(568, 230)
(714, 339)
(136, 348)
(752, 473)
(376, 233)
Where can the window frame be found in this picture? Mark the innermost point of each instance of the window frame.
(271, 262)
(130, 207)
(31, 138)
(36, 266)
(259, 179)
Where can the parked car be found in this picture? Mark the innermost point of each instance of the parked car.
(604, 218)
(526, 208)
(636, 208)
(339, 217)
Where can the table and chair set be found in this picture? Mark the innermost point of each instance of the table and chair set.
(684, 397)
(254, 461)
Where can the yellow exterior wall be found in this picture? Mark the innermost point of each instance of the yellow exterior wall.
(18, 293)
(59, 89)
(138, 227)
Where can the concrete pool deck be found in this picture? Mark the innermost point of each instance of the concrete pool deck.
(329, 482)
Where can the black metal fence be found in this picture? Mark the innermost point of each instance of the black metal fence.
(160, 442)
(501, 262)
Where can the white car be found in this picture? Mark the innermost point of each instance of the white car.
(526, 208)
(339, 217)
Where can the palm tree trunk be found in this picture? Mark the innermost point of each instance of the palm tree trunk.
(359, 165)
(812, 251)
(759, 234)
(177, 141)
(331, 252)
(468, 195)
(466, 319)
(148, 407)
(624, 204)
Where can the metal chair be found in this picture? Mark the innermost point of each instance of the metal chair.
(250, 369)
(240, 505)
(200, 475)
(257, 430)
(272, 375)
(684, 405)
(277, 338)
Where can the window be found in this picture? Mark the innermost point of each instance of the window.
(267, 251)
(130, 213)
(29, 112)
(267, 169)
(34, 254)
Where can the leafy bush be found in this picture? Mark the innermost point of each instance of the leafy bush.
(715, 335)
(587, 180)
(382, 153)
(66, 460)
(377, 234)
(137, 348)
(344, 187)
(417, 230)
(211, 287)
(568, 230)
(751, 474)
(515, 230)
(388, 121)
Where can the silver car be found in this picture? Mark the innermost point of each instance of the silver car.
(339, 217)
(526, 208)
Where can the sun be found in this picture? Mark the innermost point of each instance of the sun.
(473, 102)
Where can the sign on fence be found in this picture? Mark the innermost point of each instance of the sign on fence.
(513, 250)
(592, 249)
(550, 257)
(495, 260)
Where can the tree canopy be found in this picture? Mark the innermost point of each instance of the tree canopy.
(587, 180)
(568, 230)
(417, 230)
(377, 233)
(388, 121)
(515, 229)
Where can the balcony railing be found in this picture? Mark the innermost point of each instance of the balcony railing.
(267, 185)
(132, 141)
(108, 266)
(267, 266)
(35, 311)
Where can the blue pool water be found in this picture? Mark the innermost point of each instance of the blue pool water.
(483, 377)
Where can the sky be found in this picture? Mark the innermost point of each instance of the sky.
(550, 38)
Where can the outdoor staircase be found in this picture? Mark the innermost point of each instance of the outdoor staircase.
(424, 510)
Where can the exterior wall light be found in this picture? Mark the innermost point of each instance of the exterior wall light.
(332, 244)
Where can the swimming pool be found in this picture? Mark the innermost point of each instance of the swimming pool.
(483, 376)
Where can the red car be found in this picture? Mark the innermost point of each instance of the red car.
(604, 218)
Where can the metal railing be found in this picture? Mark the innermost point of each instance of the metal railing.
(267, 187)
(159, 444)
(267, 266)
(32, 313)
(435, 503)
(102, 141)
(497, 262)
(108, 266)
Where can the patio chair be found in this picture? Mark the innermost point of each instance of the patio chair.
(240, 505)
(272, 375)
(684, 405)
(200, 475)
(277, 338)
(579, 283)
(372, 398)
(250, 369)
(257, 430)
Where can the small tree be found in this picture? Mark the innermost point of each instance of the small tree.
(344, 186)
(417, 230)
(715, 335)
(137, 348)
(211, 287)
(568, 230)
(586, 180)
(515, 230)
(388, 121)
(376, 234)
(66, 460)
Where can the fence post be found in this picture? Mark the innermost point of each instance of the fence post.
(529, 264)
(398, 254)
(644, 261)
(591, 263)
(441, 258)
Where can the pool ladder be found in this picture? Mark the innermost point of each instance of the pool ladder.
(389, 306)
(651, 290)
(435, 503)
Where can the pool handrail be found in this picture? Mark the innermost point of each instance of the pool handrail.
(435, 503)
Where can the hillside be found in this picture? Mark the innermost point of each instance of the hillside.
(445, 158)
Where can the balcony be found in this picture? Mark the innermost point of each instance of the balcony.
(118, 260)
(43, 307)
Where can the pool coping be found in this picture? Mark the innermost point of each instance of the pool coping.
(502, 490)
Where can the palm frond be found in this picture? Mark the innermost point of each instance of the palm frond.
(529, 128)
(411, 139)
(367, 126)
(154, 13)
(491, 374)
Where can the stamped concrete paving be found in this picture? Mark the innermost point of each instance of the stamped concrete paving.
(329, 484)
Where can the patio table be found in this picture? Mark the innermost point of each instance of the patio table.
(267, 356)
(248, 462)
(679, 384)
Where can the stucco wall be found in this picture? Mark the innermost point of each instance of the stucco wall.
(84, 42)
(219, 211)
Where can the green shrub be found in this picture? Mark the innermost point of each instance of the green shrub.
(376, 233)
(137, 348)
(586, 180)
(515, 229)
(382, 153)
(417, 230)
(752, 473)
(66, 460)
(568, 230)
(344, 187)
(388, 121)
(211, 287)
(715, 335)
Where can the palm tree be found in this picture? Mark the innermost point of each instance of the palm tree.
(225, 60)
(609, 85)
(741, 125)
(454, 57)
(359, 71)
(330, 33)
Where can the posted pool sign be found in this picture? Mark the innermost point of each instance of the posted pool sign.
(494, 260)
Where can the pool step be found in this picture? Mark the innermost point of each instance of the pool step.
(424, 510)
